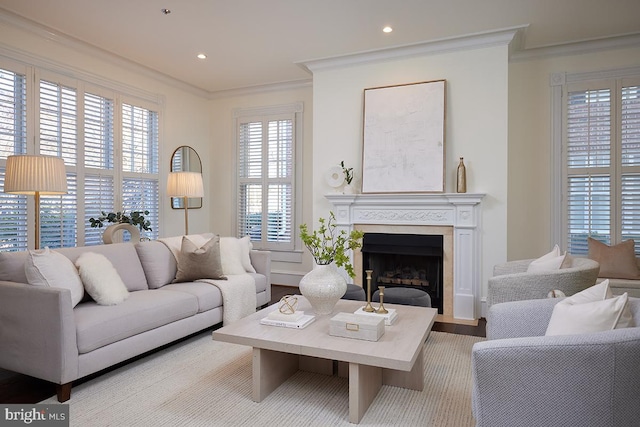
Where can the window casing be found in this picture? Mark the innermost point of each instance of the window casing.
(267, 148)
(109, 143)
(600, 160)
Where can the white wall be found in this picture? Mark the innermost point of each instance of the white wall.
(476, 126)
(223, 159)
(529, 160)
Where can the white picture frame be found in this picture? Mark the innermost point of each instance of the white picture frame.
(404, 138)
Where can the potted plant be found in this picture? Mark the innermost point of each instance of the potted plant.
(133, 223)
(324, 285)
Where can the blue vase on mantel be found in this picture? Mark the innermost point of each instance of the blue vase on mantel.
(323, 287)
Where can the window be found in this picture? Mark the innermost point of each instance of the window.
(107, 170)
(601, 162)
(13, 139)
(266, 177)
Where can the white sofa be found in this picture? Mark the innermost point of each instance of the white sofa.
(43, 335)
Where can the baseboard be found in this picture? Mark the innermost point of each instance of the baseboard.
(285, 278)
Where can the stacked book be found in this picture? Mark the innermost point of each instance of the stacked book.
(297, 320)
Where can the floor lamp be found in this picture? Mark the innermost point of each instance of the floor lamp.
(185, 185)
(35, 175)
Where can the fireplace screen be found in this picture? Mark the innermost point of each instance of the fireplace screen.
(406, 260)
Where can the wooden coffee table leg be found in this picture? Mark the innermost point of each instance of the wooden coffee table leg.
(364, 384)
(413, 379)
(270, 369)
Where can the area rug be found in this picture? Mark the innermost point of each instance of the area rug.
(201, 382)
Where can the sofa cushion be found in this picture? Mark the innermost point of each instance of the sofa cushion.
(48, 268)
(124, 258)
(199, 262)
(158, 263)
(98, 325)
(12, 266)
(208, 295)
(100, 279)
(616, 262)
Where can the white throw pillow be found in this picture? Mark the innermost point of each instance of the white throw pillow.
(48, 268)
(231, 256)
(592, 310)
(548, 262)
(101, 280)
(245, 249)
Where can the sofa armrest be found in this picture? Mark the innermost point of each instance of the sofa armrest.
(520, 318)
(38, 332)
(261, 261)
(557, 380)
(511, 267)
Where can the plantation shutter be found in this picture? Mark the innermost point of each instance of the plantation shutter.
(140, 188)
(589, 168)
(98, 197)
(58, 137)
(13, 137)
(630, 148)
(265, 181)
(58, 217)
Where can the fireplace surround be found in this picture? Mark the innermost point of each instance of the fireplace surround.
(454, 216)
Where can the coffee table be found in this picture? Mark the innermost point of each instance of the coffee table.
(395, 359)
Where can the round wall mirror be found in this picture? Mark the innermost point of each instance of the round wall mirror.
(186, 159)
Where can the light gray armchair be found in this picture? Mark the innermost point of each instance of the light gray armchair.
(523, 378)
(512, 282)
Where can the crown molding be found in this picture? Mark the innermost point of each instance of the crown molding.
(270, 87)
(579, 47)
(511, 36)
(50, 34)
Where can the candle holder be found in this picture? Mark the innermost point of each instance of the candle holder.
(369, 308)
(381, 309)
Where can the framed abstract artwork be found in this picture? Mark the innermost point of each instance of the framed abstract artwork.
(404, 144)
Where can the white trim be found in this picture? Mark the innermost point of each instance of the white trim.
(579, 47)
(500, 37)
(269, 110)
(557, 82)
(286, 278)
(269, 87)
(66, 70)
(45, 32)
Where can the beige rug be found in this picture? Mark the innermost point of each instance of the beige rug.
(201, 382)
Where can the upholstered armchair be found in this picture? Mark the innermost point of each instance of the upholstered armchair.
(512, 282)
(523, 378)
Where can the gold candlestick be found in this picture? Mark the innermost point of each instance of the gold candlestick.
(381, 309)
(369, 308)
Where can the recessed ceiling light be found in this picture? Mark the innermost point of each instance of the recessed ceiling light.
(387, 29)
(201, 56)
(165, 11)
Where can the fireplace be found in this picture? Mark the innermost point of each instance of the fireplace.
(455, 217)
(405, 260)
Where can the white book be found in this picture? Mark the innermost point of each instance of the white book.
(302, 323)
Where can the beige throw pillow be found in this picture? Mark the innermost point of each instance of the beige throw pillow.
(199, 262)
(616, 262)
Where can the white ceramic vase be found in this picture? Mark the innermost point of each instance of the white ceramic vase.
(108, 234)
(323, 287)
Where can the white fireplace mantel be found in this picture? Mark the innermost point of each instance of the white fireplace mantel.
(462, 211)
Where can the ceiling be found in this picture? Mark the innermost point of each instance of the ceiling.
(258, 42)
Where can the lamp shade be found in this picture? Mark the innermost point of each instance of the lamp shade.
(185, 184)
(35, 174)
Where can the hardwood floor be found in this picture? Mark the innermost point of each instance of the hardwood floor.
(18, 388)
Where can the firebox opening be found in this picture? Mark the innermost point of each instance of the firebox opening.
(405, 260)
